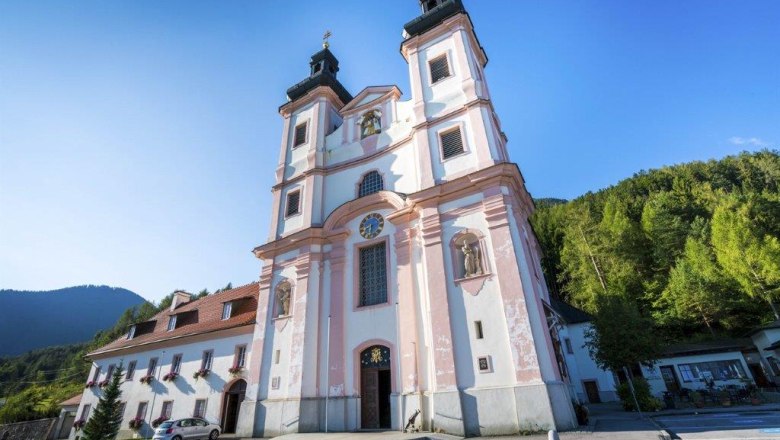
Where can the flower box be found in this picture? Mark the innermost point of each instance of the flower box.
(235, 370)
(146, 379)
(136, 423)
(156, 422)
(90, 384)
(103, 383)
(170, 377)
(203, 372)
(78, 424)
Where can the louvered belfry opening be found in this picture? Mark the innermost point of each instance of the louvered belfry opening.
(300, 135)
(293, 202)
(451, 143)
(373, 275)
(371, 183)
(439, 69)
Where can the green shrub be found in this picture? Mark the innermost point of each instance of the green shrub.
(642, 389)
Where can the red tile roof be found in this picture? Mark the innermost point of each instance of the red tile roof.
(207, 314)
(73, 401)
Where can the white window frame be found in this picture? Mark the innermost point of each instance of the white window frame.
(239, 358)
(152, 366)
(227, 310)
(207, 359)
(130, 370)
(203, 408)
(176, 366)
(172, 323)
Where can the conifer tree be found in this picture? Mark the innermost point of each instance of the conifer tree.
(106, 418)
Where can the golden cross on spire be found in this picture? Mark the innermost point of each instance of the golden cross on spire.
(325, 37)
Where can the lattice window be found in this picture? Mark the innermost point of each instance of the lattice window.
(372, 182)
(439, 69)
(373, 275)
(293, 203)
(451, 143)
(300, 135)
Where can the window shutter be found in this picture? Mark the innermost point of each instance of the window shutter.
(300, 135)
(451, 143)
(439, 69)
(293, 200)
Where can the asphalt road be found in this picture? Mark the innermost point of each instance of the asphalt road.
(762, 425)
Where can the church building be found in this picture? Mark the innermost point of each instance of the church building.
(401, 284)
(401, 275)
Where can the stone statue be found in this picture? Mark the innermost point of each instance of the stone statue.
(471, 263)
(370, 123)
(283, 294)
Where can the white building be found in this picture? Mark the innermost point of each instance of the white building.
(401, 273)
(161, 357)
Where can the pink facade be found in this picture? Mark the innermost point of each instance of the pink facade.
(418, 289)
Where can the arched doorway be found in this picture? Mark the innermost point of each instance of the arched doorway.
(231, 403)
(375, 387)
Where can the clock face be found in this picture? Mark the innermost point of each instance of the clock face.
(371, 225)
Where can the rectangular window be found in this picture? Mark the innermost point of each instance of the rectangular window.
(96, 375)
(200, 408)
(686, 373)
(131, 332)
(171, 322)
(716, 370)
(85, 412)
(373, 275)
(240, 356)
(206, 362)
(152, 366)
(110, 372)
(451, 143)
(122, 406)
(774, 365)
(478, 329)
(167, 409)
(141, 413)
(439, 69)
(567, 342)
(300, 135)
(277, 355)
(227, 310)
(176, 364)
(130, 370)
(293, 203)
(275, 382)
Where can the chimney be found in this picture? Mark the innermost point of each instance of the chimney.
(180, 297)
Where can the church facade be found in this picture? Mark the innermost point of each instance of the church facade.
(402, 277)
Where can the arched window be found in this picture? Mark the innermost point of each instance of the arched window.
(372, 182)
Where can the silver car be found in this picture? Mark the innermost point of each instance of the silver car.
(185, 429)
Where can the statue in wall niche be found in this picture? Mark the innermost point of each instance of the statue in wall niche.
(283, 294)
(370, 123)
(471, 263)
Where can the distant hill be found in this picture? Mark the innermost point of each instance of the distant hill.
(30, 320)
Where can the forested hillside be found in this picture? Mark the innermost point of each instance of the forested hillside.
(695, 247)
(30, 320)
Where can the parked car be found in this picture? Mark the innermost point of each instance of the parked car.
(187, 429)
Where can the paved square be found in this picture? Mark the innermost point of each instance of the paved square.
(724, 426)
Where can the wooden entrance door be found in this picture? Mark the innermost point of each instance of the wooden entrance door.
(231, 405)
(670, 378)
(592, 390)
(369, 398)
(375, 388)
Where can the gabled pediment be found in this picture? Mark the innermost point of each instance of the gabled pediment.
(369, 96)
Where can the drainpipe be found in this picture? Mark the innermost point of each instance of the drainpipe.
(327, 373)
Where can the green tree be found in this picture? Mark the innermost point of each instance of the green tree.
(107, 418)
(746, 247)
(620, 336)
(698, 288)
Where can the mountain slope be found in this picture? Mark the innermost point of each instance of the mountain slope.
(30, 320)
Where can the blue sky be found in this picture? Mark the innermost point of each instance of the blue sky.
(138, 139)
